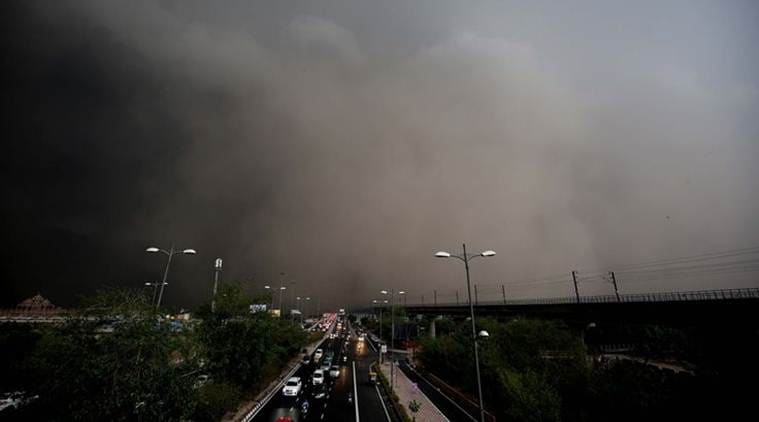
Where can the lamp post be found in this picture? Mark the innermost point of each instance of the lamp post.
(308, 299)
(392, 332)
(170, 253)
(268, 288)
(380, 302)
(281, 289)
(155, 290)
(217, 270)
(297, 298)
(465, 259)
(292, 317)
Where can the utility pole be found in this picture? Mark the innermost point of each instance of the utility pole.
(434, 292)
(457, 297)
(476, 296)
(217, 268)
(574, 279)
(503, 292)
(614, 280)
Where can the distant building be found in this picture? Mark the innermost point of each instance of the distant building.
(36, 308)
(37, 304)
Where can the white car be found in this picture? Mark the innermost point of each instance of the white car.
(318, 377)
(292, 387)
(318, 354)
(334, 371)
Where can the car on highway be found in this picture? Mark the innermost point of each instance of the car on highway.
(318, 377)
(306, 359)
(318, 354)
(320, 391)
(326, 364)
(285, 419)
(334, 371)
(292, 387)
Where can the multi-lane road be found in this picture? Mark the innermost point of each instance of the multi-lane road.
(354, 358)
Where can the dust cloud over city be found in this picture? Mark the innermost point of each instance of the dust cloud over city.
(345, 143)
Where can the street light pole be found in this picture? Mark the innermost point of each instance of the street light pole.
(155, 290)
(392, 333)
(292, 317)
(170, 253)
(466, 258)
(281, 289)
(217, 267)
(474, 336)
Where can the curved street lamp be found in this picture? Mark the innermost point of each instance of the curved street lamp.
(155, 289)
(466, 259)
(170, 253)
(392, 330)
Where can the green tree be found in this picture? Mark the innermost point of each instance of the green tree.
(243, 348)
(113, 364)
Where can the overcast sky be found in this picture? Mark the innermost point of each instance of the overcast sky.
(344, 142)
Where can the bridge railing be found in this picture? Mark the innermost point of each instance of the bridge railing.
(697, 295)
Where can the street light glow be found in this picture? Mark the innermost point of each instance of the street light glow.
(283, 288)
(189, 252)
(488, 253)
(152, 249)
(442, 254)
(384, 292)
(402, 292)
(267, 287)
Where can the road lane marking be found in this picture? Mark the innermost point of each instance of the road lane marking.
(382, 402)
(355, 390)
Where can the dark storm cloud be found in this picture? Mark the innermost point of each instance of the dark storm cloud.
(343, 145)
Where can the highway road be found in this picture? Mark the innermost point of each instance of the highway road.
(335, 405)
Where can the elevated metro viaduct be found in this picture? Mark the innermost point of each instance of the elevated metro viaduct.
(727, 308)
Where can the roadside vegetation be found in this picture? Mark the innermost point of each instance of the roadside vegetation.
(120, 360)
(537, 370)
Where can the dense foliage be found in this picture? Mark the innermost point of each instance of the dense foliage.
(119, 360)
(535, 370)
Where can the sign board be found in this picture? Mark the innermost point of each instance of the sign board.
(257, 307)
(383, 348)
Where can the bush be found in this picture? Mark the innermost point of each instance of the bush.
(215, 399)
